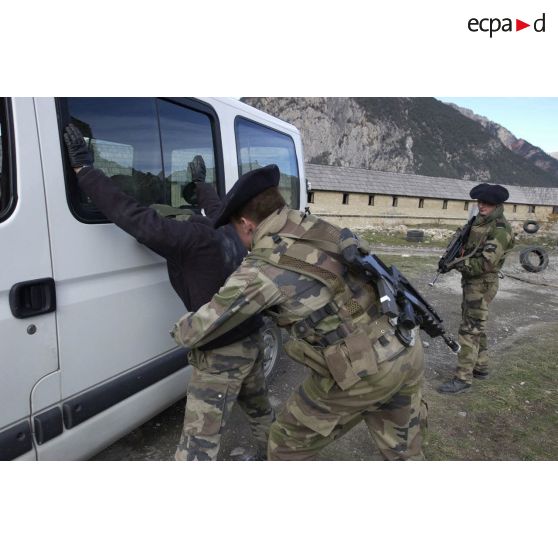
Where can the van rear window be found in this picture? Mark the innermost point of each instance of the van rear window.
(258, 145)
(144, 144)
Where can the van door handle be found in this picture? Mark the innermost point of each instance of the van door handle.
(32, 298)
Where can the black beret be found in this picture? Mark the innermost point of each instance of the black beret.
(245, 188)
(490, 193)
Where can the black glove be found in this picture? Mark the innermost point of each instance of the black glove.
(80, 155)
(197, 169)
(189, 193)
(459, 266)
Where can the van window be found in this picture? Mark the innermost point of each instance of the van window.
(144, 144)
(184, 134)
(258, 145)
(7, 193)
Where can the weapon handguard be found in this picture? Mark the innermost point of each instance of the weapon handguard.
(398, 298)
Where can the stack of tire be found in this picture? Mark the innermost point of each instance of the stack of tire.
(415, 235)
(533, 258)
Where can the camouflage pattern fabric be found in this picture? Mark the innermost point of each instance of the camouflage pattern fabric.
(493, 238)
(365, 375)
(389, 402)
(472, 331)
(220, 377)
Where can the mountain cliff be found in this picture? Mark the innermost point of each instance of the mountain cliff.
(417, 135)
(545, 161)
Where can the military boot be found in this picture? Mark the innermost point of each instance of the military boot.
(248, 454)
(480, 374)
(455, 385)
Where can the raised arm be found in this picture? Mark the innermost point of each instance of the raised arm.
(205, 194)
(162, 235)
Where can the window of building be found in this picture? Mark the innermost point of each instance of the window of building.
(345, 199)
(421, 203)
(7, 182)
(555, 209)
(258, 146)
(531, 209)
(310, 197)
(394, 201)
(445, 204)
(371, 199)
(144, 144)
(514, 208)
(466, 206)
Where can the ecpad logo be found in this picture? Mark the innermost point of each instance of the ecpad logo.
(493, 25)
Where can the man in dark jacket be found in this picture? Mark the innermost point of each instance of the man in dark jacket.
(199, 260)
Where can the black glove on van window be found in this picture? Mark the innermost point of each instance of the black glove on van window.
(197, 168)
(80, 155)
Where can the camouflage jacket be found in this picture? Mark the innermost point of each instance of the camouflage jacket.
(491, 238)
(280, 275)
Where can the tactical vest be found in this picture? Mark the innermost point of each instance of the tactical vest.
(348, 337)
(480, 231)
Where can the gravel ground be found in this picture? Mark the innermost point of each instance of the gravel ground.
(518, 308)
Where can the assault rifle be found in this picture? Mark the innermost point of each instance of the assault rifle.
(453, 251)
(402, 303)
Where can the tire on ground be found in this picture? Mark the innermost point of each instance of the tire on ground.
(415, 235)
(527, 255)
(531, 226)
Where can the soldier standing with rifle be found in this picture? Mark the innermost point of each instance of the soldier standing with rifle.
(342, 306)
(485, 241)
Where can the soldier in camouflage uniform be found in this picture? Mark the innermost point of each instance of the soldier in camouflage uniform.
(359, 370)
(491, 238)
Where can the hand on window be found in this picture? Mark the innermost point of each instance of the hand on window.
(197, 169)
(79, 153)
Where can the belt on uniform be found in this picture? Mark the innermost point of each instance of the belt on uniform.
(306, 327)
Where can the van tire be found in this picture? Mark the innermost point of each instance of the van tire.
(273, 343)
(531, 226)
(526, 262)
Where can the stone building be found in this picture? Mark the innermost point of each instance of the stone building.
(361, 197)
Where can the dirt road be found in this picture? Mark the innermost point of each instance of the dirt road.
(512, 415)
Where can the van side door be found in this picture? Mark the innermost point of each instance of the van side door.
(115, 302)
(28, 341)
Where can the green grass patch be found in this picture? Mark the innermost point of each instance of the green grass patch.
(536, 240)
(412, 266)
(511, 416)
(399, 239)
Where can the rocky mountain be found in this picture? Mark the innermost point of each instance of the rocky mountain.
(533, 154)
(417, 135)
(555, 154)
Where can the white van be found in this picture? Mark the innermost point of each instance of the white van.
(85, 310)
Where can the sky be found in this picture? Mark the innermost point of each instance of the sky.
(534, 119)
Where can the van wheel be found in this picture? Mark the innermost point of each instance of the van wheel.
(533, 259)
(273, 342)
(530, 226)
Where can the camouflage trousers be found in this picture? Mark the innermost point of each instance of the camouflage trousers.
(473, 355)
(219, 378)
(389, 401)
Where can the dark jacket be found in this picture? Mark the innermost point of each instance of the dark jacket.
(199, 257)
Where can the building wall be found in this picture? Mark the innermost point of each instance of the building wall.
(357, 213)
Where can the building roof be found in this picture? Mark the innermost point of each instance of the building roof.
(364, 181)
